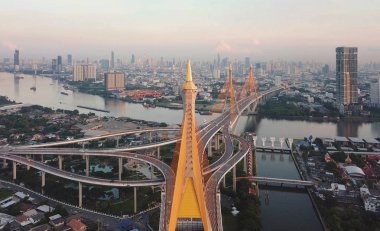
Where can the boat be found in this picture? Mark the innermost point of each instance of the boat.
(18, 77)
(33, 88)
(147, 105)
(64, 93)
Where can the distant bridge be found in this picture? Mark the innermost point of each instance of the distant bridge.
(270, 180)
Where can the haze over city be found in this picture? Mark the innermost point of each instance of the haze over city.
(262, 30)
(254, 115)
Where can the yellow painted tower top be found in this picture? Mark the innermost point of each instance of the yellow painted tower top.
(189, 85)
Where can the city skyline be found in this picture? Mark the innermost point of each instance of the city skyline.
(257, 29)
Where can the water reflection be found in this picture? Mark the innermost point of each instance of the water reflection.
(349, 129)
(264, 127)
(16, 86)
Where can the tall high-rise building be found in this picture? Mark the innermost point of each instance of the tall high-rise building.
(133, 59)
(54, 65)
(84, 72)
(347, 75)
(375, 92)
(114, 81)
(69, 60)
(112, 60)
(104, 64)
(216, 73)
(325, 69)
(16, 60)
(247, 63)
(59, 63)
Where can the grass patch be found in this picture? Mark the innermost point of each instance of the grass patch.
(229, 222)
(5, 193)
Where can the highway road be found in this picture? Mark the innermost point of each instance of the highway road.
(205, 134)
(79, 178)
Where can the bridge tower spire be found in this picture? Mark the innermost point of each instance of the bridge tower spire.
(231, 94)
(252, 88)
(188, 203)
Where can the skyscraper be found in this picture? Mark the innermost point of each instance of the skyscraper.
(69, 60)
(247, 62)
(59, 63)
(16, 60)
(84, 72)
(104, 64)
(112, 60)
(375, 92)
(133, 59)
(54, 65)
(114, 81)
(347, 75)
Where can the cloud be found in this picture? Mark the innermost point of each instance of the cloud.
(223, 47)
(9, 45)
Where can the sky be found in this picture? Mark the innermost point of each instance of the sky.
(261, 29)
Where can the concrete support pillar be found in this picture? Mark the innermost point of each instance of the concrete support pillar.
(209, 152)
(120, 167)
(117, 141)
(27, 166)
(150, 137)
(245, 163)
(135, 199)
(87, 165)
(158, 153)
(272, 139)
(43, 181)
(80, 194)
(4, 163)
(234, 179)
(290, 140)
(151, 172)
(60, 160)
(42, 158)
(217, 141)
(254, 138)
(224, 181)
(83, 145)
(14, 170)
(282, 140)
(263, 139)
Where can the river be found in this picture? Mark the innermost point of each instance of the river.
(287, 210)
(48, 94)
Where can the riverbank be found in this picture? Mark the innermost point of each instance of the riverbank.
(323, 119)
(5, 101)
(246, 204)
(313, 202)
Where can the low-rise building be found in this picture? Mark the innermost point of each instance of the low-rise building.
(371, 203)
(77, 225)
(56, 221)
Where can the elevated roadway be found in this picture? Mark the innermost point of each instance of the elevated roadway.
(80, 178)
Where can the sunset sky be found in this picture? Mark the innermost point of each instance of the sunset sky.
(260, 29)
